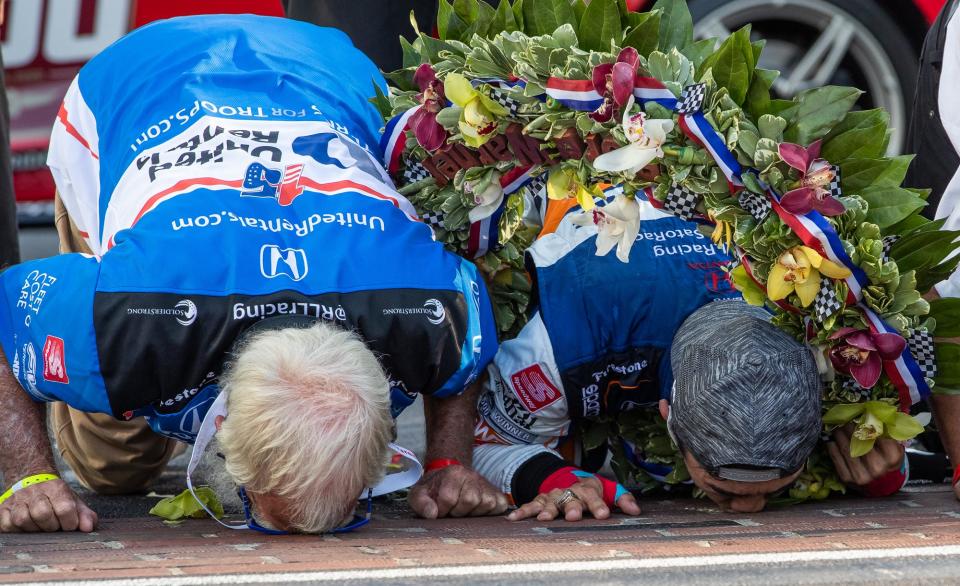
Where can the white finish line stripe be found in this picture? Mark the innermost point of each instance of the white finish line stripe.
(534, 568)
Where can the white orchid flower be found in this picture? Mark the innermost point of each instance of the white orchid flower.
(618, 224)
(646, 139)
(487, 199)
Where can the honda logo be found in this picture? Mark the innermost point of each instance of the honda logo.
(276, 261)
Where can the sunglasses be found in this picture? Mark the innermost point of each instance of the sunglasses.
(357, 521)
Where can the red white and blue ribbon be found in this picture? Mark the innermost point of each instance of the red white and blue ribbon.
(816, 232)
(393, 140)
(904, 372)
(576, 94)
(649, 89)
(698, 128)
(485, 234)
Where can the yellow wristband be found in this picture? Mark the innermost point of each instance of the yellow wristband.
(28, 481)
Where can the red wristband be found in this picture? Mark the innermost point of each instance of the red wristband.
(439, 463)
(956, 475)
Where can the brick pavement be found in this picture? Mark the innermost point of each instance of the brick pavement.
(146, 547)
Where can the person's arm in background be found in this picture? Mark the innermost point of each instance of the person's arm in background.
(521, 412)
(9, 244)
(450, 486)
(946, 413)
(946, 408)
(48, 506)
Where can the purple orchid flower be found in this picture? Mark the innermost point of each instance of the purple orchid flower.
(815, 175)
(430, 134)
(615, 81)
(861, 353)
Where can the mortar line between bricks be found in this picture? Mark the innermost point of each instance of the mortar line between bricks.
(540, 568)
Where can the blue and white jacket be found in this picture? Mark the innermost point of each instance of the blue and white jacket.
(223, 169)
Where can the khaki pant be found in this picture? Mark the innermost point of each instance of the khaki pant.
(109, 456)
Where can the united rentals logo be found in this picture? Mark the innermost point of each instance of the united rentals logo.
(289, 262)
(432, 308)
(282, 185)
(185, 311)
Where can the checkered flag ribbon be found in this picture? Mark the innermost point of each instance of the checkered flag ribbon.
(691, 101)
(537, 185)
(414, 171)
(681, 202)
(826, 303)
(921, 347)
(758, 205)
(503, 98)
(433, 218)
(888, 242)
(852, 386)
(835, 190)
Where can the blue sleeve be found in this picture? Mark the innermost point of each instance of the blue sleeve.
(47, 333)
(480, 342)
(666, 375)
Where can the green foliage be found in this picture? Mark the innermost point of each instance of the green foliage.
(644, 33)
(600, 26)
(946, 312)
(948, 365)
(676, 24)
(733, 64)
(859, 174)
(889, 205)
(542, 17)
(860, 135)
(818, 111)
(504, 20)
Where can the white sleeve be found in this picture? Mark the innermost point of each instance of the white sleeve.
(522, 409)
(74, 161)
(950, 118)
(498, 463)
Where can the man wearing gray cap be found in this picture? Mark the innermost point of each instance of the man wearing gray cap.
(612, 342)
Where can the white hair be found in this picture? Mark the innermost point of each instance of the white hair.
(308, 420)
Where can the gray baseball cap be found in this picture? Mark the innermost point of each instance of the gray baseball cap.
(746, 397)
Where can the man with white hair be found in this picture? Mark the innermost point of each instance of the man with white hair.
(242, 271)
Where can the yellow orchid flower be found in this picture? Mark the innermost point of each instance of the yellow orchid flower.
(873, 419)
(478, 115)
(563, 184)
(799, 269)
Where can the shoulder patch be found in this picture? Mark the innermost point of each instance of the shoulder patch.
(534, 389)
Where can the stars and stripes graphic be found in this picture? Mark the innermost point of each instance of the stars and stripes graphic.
(290, 187)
